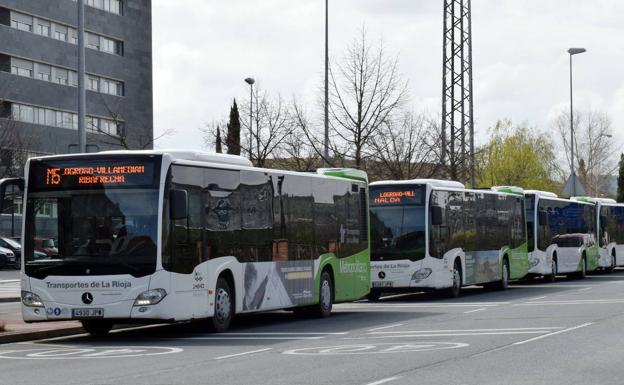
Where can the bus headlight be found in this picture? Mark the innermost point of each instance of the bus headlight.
(150, 297)
(31, 299)
(421, 274)
(534, 262)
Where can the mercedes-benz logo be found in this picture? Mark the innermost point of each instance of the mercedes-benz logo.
(381, 275)
(87, 298)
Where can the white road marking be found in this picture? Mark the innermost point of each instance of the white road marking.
(286, 333)
(384, 381)
(423, 305)
(250, 338)
(553, 333)
(470, 330)
(427, 335)
(385, 327)
(242, 354)
(572, 302)
(585, 289)
(8, 281)
(536, 298)
(474, 311)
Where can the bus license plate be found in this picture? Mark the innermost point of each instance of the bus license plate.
(383, 283)
(88, 313)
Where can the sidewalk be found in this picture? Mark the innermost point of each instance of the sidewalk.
(16, 330)
(10, 290)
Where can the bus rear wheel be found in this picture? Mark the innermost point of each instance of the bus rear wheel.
(504, 282)
(223, 306)
(612, 264)
(455, 289)
(553, 266)
(583, 273)
(97, 328)
(326, 295)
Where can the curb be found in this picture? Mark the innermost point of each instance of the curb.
(10, 299)
(11, 337)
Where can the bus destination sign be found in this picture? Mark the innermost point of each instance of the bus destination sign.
(92, 173)
(399, 195)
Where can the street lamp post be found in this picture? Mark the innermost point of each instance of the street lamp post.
(251, 82)
(82, 130)
(326, 142)
(572, 51)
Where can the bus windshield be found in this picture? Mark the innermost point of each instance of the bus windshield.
(91, 216)
(397, 223)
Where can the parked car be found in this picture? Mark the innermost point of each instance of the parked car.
(6, 257)
(15, 247)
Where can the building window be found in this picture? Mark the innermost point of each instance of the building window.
(60, 32)
(61, 76)
(92, 83)
(73, 36)
(21, 67)
(112, 6)
(21, 22)
(42, 27)
(44, 72)
(92, 41)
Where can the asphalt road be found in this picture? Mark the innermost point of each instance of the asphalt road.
(569, 332)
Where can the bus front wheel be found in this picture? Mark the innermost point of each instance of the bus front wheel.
(223, 306)
(553, 277)
(326, 295)
(455, 289)
(97, 328)
(504, 283)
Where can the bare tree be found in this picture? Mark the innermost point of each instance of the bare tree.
(122, 137)
(594, 148)
(271, 127)
(365, 90)
(406, 148)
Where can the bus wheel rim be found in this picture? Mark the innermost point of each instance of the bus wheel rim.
(456, 278)
(505, 274)
(325, 295)
(223, 304)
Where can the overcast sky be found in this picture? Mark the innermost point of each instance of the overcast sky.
(203, 49)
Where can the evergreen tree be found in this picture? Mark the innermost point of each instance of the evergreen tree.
(620, 181)
(218, 141)
(233, 133)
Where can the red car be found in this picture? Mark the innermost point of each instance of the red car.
(46, 246)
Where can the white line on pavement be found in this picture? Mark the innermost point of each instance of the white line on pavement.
(250, 338)
(385, 327)
(474, 311)
(585, 289)
(573, 302)
(9, 281)
(471, 330)
(384, 381)
(242, 354)
(553, 333)
(427, 335)
(536, 298)
(424, 305)
(287, 333)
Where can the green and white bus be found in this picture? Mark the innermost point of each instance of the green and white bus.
(610, 225)
(435, 234)
(165, 236)
(562, 235)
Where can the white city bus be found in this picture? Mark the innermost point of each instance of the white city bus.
(610, 219)
(561, 235)
(164, 236)
(434, 234)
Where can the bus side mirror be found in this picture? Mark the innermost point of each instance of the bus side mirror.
(542, 218)
(6, 182)
(436, 215)
(178, 204)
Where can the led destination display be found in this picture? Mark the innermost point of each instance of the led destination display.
(399, 195)
(92, 173)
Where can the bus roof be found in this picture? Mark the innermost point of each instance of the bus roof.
(509, 189)
(175, 154)
(432, 182)
(593, 200)
(540, 193)
(348, 173)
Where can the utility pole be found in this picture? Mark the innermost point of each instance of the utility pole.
(326, 142)
(82, 96)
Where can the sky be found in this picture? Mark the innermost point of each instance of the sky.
(203, 49)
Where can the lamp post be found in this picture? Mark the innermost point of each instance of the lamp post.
(326, 142)
(82, 130)
(251, 82)
(572, 51)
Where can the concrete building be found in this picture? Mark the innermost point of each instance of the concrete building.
(38, 75)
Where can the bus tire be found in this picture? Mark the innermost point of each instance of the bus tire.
(373, 296)
(552, 277)
(97, 328)
(223, 306)
(583, 273)
(326, 295)
(504, 282)
(455, 290)
(613, 263)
